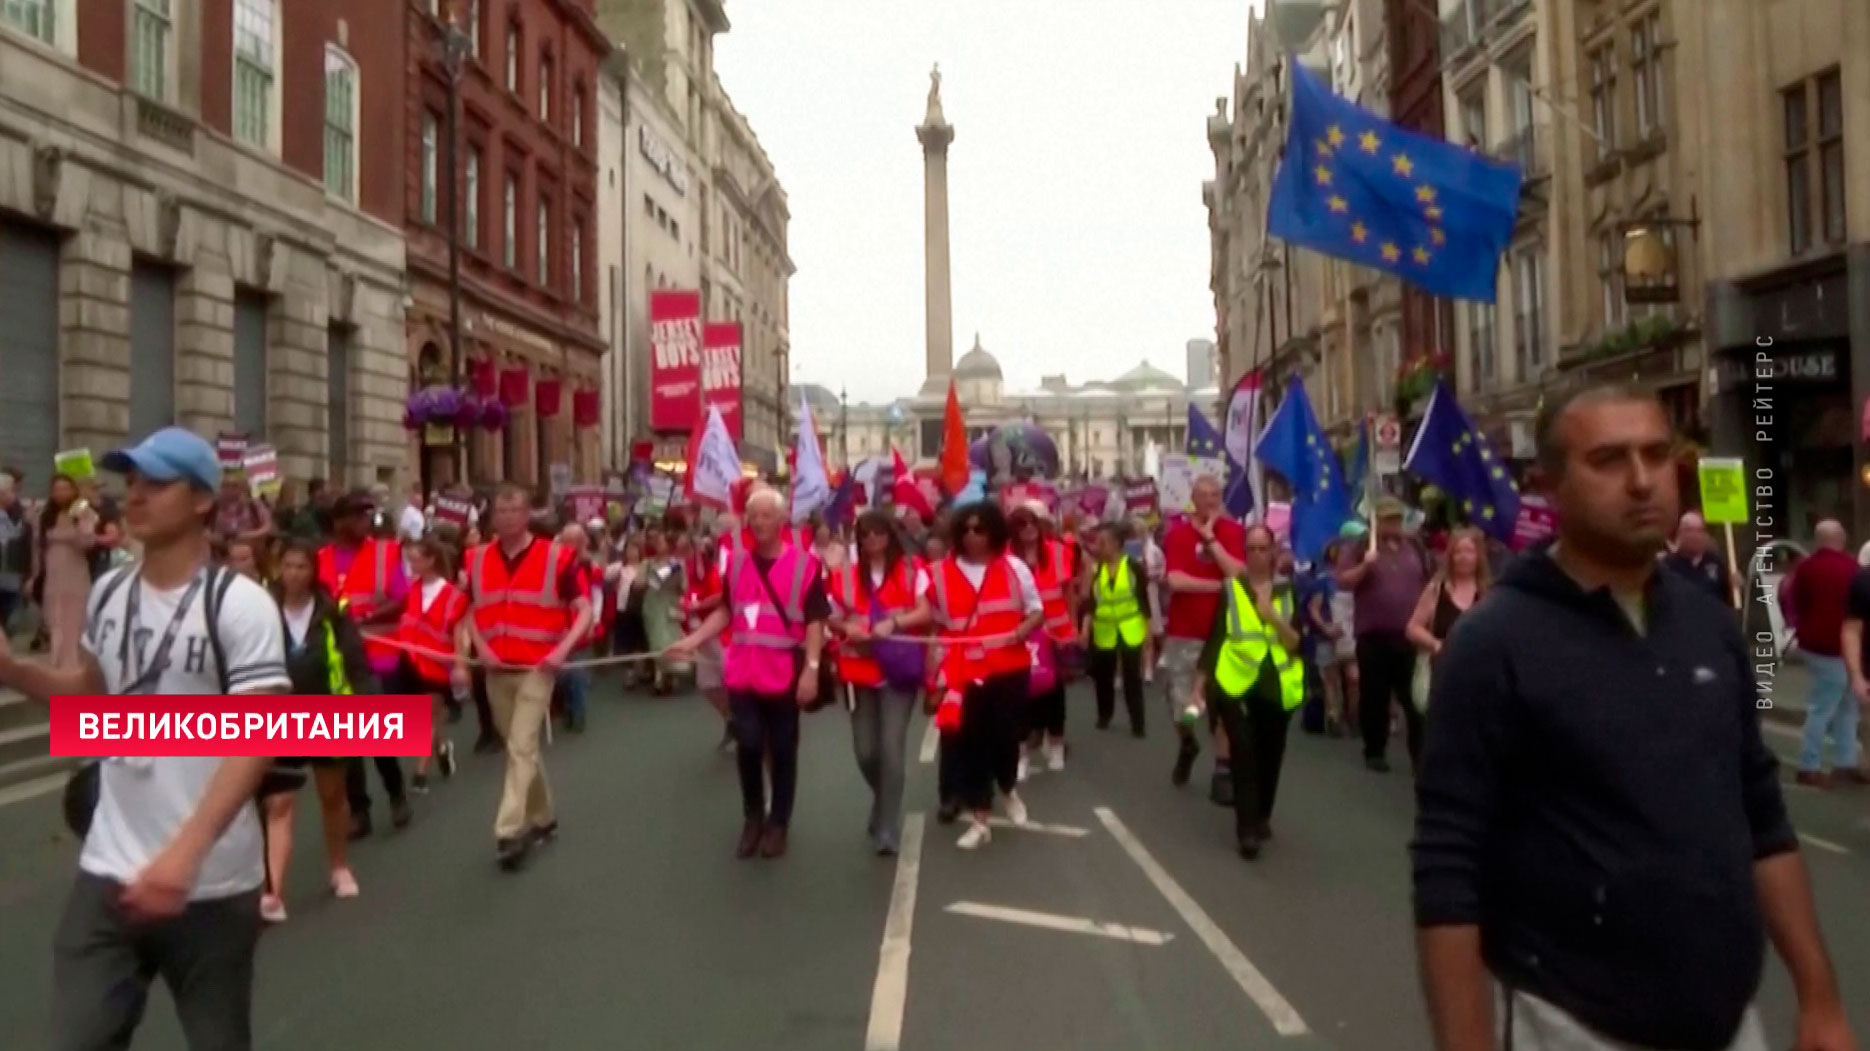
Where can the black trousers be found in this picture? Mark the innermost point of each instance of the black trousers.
(1046, 713)
(357, 786)
(763, 726)
(1105, 665)
(1386, 672)
(948, 767)
(483, 708)
(1256, 728)
(989, 737)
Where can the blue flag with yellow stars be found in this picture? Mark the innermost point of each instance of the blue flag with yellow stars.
(1357, 187)
(1451, 454)
(1294, 446)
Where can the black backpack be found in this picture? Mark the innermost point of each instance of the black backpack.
(83, 787)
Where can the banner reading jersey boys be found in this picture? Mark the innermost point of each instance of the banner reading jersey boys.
(674, 359)
(720, 373)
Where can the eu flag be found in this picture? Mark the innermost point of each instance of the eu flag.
(1355, 186)
(1204, 440)
(1295, 446)
(1451, 454)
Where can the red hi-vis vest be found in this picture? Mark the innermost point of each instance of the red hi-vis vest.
(362, 589)
(432, 629)
(962, 612)
(759, 656)
(897, 595)
(704, 583)
(1054, 582)
(520, 613)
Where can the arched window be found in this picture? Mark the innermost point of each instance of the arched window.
(341, 119)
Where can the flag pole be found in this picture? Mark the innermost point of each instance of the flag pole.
(1368, 441)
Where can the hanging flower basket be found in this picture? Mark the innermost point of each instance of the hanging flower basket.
(550, 396)
(585, 408)
(493, 415)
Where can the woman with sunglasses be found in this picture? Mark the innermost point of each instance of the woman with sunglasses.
(987, 606)
(1052, 573)
(1250, 673)
(874, 598)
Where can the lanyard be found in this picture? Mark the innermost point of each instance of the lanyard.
(159, 659)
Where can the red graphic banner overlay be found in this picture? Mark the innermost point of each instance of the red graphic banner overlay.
(720, 373)
(674, 359)
(260, 724)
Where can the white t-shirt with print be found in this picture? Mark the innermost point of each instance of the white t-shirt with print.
(143, 802)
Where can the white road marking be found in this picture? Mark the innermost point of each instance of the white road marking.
(32, 789)
(889, 998)
(1824, 844)
(1773, 726)
(1068, 831)
(1068, 924)
(931, 739)
(1284, 1017)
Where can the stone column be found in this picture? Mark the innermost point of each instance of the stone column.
(935, 134)
(94, 327)
(204, 348)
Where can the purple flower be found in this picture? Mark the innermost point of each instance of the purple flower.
(411, 420)
(466, 411)
(492, 414)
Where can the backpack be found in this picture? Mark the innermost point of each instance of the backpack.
(83, 787)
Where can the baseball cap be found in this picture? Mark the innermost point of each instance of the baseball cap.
(172, 454)
(1389, 507)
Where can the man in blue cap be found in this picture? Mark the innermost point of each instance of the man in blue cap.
(170, 874)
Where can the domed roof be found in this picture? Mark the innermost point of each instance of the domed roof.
(1147, 376)
(978, 364)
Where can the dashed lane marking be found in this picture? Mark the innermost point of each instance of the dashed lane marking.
(1068, 924)
(890, 996)
(1068, 831)
(1284, 1017)
(931, 740)
(1824, 844)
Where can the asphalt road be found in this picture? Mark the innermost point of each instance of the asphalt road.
(1125, 921)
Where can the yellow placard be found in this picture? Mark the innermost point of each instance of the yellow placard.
(1723, 490)
(75, 464)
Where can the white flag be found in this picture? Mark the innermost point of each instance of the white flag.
(717, 462)
(811, 486)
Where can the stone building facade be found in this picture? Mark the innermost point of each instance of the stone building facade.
(740, 209)
(191, 229)
(526, 179)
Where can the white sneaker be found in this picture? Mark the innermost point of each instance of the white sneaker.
(1025, 768)
(344, 883)
(272, 910)
(1016, 809)
(1055, 756)
(977, 834)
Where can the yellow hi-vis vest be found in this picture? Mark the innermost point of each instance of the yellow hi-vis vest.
(1249, 639)
(1117, 615)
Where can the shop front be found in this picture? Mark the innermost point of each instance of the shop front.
(1787, 379)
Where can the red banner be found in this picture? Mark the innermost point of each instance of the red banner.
(674, 360)
(248, 725)
(720, 373)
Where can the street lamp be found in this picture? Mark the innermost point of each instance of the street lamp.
(844, 428)
(452, 49)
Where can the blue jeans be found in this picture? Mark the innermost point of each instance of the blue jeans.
(576, 682)
(1830, 709)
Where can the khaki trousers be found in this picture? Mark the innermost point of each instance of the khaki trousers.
(521, 702)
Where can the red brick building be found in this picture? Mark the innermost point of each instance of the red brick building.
(526, 175)
(1416, 103)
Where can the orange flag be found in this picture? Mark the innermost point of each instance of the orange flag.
(954, 463)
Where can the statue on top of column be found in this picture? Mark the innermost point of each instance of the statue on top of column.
(934, 113)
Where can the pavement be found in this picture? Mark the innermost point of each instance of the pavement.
(1123, 921)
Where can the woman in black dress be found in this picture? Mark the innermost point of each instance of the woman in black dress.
(1463, 579)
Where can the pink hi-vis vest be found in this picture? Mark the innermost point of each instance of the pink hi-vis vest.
(760, 651)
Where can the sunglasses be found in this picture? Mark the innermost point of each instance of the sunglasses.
(973, 527)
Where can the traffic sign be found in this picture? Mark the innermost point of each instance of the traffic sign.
(1386, 435)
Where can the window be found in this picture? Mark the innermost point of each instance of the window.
(1529, 310)
(1798, 171)
(512, 57)
(545, 88)
(32, 17)
(1474, 120)
(509, 220)
(473, 26)
(340, 125)
(1610, 276)
(577, 261)
(542, 248)
(1604, 99)
(1646, 70)
(1480, 342)
(1831, 155)
(470, 214)
(577, 114)
(254, 27)
(150, 36)
(430, 149)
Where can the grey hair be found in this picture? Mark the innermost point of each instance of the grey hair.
(763, 496)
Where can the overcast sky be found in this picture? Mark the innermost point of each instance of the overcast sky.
(1080, 242)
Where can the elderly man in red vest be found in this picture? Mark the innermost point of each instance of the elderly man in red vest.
(776, 603)
(529, 612)
(368, 579)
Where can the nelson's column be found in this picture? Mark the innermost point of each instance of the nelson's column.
(935, 134)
